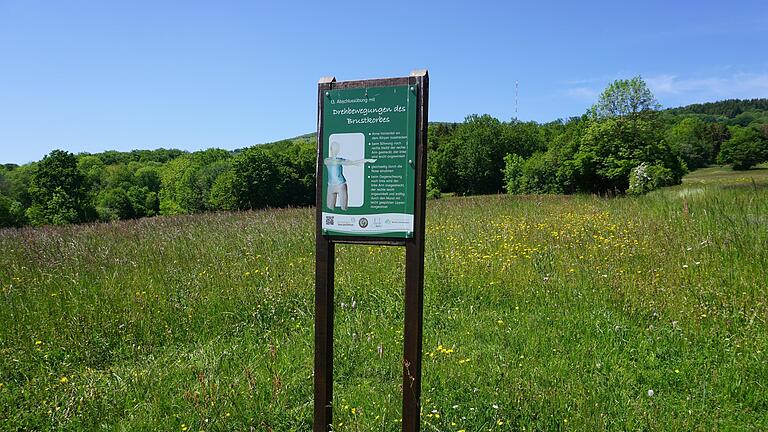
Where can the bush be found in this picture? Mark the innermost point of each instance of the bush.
(11, 213)
(433, 192)
(645, 178)
(513, 173)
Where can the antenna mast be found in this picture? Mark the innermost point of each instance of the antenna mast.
(516, 93)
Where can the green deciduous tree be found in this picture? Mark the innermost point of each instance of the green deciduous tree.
(222, 193)
(468, 158)
(93, 169)
(144, 202)
(113, 204)
(186, 181)
(513, 173)
(439, 134)
(746, 148)
(625, 97)
(535, 175)
(474, 158)
(611, 147)
(524, 138)
(148, 176)
(263, 178)
(15, 181)
(692, 138)
(58, 191)
(11, 213)
(119, 204)
(717, 134)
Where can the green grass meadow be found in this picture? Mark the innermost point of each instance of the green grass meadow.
(541, 313)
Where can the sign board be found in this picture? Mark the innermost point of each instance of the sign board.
(369, 161)
(371, 189)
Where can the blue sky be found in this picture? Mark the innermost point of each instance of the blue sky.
(94, 75)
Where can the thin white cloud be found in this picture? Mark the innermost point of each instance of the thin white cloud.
(679, 88)
(583, 93)
(739, 85)
(662, 84)
(597, 80)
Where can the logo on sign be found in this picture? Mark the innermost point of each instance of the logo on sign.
(363, 222)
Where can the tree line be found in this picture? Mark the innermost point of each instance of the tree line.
(622, 144)
(66, 188)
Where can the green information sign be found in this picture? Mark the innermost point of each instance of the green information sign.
(371, 190)
(369, 161)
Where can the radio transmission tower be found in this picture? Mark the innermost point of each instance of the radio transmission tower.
(516, 93)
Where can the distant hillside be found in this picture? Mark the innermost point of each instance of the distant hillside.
(312, 135)
(729, 108)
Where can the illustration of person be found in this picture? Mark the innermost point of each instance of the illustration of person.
(337, 183)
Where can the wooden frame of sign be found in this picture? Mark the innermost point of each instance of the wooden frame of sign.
(418, 84)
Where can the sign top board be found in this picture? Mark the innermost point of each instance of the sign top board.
(369, 161)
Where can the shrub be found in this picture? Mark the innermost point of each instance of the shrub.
(645, 178)
(513, 173)
(433, 192)
(11, 213)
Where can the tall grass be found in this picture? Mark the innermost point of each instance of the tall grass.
(541, 313)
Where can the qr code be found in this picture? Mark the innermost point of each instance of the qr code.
(329, 220)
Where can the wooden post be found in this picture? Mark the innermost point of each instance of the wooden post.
(414, 271)
(324, 263)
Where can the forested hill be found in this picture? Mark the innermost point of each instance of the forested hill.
(728, 108)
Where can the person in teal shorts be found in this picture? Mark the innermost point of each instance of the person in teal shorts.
(337, 192)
